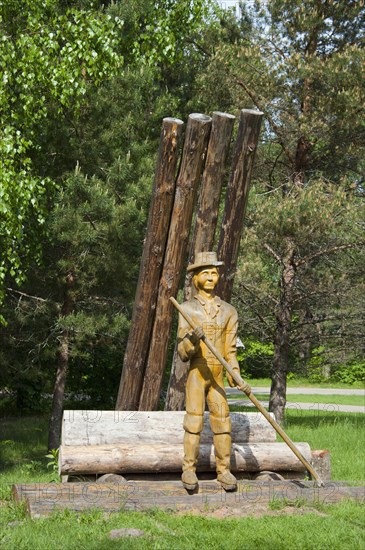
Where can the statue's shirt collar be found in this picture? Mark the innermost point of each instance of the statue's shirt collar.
(211, 307)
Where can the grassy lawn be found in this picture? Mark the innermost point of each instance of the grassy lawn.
(335, 527)
(22, 459)
(336, 399)
(343, 434)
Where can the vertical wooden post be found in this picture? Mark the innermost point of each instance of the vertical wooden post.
(196, 139)
(236, 199)
(215, 166)
(151, 266)
(204, 231)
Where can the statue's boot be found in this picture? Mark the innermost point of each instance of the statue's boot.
(222, 447)
(191, 453)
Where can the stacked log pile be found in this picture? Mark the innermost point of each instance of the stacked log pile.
(204, 156)
(101, 442)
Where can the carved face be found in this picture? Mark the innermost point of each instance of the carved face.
(206, 279)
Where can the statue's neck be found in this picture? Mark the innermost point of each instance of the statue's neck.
(206, 295)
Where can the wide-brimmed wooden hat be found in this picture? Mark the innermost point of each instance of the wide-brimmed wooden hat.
(204, 259)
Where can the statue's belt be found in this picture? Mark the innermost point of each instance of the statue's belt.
(202, 362)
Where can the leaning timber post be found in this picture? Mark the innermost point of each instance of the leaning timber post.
(236, 199)
(204, 232)
(151, 265)
(192, 163)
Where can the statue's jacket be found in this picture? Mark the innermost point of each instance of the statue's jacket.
(219, 321)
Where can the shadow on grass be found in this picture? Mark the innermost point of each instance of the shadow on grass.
(22, 440)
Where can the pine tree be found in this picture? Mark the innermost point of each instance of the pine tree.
(302, 67)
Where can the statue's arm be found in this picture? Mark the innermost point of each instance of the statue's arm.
(188, 342)
(231, 341)
(231, 353)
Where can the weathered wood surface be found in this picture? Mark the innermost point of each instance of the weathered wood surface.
(203, 234)
(153, 427)
(43, 499)
(192, 163)
(151, 265)
(236, 198)
(210, 191)
(104, 459)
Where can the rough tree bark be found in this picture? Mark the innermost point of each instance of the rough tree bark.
(196, 139)
(151, 266)
(282, 334)
(204, 232)
(55, 423)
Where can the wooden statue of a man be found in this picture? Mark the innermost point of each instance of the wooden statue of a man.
(218, 321)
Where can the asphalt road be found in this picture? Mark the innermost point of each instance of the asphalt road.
(329, 407)
(304, 391)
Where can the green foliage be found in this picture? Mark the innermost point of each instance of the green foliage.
(301, 66)
(321, 371)
(256, 358)
(162, 36)
(353, 372)
(51, 56)
(53, 463)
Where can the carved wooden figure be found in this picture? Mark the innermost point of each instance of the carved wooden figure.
(218, 321)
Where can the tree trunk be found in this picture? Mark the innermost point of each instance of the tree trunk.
(54, 435)
(282, 335)
(196, 139)
(236, 199)
(204, 232)
(151, 266)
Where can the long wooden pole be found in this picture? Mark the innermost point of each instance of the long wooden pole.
(240, 382)
(151, 266)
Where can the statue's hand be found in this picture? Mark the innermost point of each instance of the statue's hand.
(230, 380)
(245, 387)
(198, 333)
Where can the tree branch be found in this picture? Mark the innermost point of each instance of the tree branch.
(256, 100)
(276, 303)
(330, 250)
(273, 253)
(26, 295)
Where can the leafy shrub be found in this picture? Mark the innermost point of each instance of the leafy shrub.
(256, 359)
(355, 372)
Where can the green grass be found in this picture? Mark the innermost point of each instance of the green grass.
(336, 527)
(343, 434)
(357, 400)
(22, 459)
(22, 452)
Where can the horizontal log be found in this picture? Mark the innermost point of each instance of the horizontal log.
(155, 427)
(105, 459)
(43, 499)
